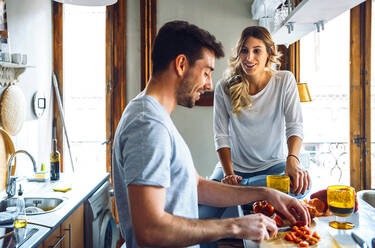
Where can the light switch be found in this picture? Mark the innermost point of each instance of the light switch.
(39, 103)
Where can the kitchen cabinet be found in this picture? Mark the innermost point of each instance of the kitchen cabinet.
(72, 228)
(308, 16)
(51, 240)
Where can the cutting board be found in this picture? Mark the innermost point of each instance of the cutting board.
(6, 151)
(326, 240)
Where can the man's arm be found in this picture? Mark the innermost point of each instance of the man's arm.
(155, 227)
(223, 195)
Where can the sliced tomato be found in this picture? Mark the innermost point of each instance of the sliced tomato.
(278, 220)
(315, 235)
(303, 244)
(288, 237)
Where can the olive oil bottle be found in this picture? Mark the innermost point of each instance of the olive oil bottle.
(55, 156)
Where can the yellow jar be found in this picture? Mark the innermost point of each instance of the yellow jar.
(281, 183)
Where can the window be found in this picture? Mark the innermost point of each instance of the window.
(84, 86)
(324, 67)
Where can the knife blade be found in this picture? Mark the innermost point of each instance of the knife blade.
(359, 240)
(284, 229)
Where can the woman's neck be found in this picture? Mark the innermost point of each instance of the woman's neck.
(258, 82)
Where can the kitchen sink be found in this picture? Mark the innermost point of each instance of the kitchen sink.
(368, 196)
(35, 205)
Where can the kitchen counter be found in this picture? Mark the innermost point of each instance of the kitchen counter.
(83, 186)
(364, 221)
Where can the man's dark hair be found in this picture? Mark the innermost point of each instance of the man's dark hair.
(180, 37)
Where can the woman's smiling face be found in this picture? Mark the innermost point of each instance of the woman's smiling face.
(253, 56)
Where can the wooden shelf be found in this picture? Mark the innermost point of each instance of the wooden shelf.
(304, 18)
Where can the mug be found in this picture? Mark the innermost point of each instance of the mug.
(16, 58)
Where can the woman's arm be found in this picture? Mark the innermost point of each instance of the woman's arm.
(294, 133)
(226, 162)
(300, 178)
(221, 134)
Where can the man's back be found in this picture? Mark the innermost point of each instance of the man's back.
(149, 151)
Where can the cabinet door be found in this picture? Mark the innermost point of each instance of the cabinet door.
(75, 223)
(52, 239)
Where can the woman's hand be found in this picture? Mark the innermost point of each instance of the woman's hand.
(288, 206)
(232, 179)
(300, 179)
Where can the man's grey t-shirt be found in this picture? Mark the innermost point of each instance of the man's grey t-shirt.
(148, 150)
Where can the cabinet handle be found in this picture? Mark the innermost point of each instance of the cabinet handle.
(70, 234)
(60, 239)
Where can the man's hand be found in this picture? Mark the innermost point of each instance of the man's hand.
(300, 179)
(256, 227)
(289, 207)
(232, 179)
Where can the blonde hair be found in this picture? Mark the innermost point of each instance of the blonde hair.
(237, 85)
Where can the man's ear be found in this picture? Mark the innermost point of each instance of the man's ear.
(181, 64)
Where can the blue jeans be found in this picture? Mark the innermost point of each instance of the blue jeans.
(248, 179)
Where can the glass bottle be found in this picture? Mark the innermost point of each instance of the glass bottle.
(21, 221)
(55, 161)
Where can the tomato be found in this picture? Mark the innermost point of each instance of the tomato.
(257, 208)
(313, 240)
(297, 240)
(263, 207)
(321, 195)
(303, 244)
(288, 237)
(269, 210)
(315, 235)
(299, 233)
(320, 205)
(278, 220)
(299, 223)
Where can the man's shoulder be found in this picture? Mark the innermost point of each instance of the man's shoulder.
(142, 113)
(147, 106)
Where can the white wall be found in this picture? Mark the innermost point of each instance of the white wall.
(30, 32)
(223, 18)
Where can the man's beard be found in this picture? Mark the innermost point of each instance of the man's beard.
(184, 95)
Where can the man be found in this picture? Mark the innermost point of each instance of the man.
(157, 188)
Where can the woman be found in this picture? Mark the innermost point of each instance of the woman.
(255, 110)
(256, 113)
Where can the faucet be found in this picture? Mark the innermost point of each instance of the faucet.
(11, 182)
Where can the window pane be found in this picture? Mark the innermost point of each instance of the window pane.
(325, 68)
(84, 86)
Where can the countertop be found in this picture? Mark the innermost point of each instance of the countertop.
(83, 186)
(364, 221)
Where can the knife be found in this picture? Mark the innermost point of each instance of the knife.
(284, 228)
(359, 240)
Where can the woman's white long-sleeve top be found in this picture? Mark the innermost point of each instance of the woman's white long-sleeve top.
(257, 136)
